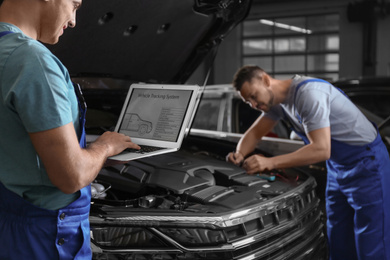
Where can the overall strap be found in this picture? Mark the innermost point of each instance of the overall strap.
(4, 33)
(83, 111)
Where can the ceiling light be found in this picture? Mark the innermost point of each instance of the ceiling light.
(285, 26)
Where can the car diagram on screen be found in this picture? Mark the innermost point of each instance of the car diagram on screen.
(137, 124)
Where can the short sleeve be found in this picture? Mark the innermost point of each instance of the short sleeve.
(41, 92)
(313, 107)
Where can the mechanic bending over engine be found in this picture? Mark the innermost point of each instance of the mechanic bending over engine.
(45, 166)
(333, 129)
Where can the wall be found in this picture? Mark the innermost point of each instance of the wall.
(351, 39)
(383, 47)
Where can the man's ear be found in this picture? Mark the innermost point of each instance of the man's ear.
(266, 80)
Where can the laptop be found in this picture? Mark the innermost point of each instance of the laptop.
(156, 117)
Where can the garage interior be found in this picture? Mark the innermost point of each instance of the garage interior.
(193, 204)
(362, 30)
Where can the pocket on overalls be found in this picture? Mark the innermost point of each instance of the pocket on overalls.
(364, 182)
(84, 252)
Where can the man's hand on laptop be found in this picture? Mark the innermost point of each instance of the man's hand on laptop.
(115, 143)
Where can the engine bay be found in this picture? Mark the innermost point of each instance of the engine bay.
(188, 182)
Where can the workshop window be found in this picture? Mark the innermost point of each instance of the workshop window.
(305, 45)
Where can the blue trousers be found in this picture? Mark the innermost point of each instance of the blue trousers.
(358, 201)
(29, 232)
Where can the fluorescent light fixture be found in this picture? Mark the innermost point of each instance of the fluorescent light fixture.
(285, 26)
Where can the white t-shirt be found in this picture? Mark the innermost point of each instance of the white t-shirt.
(318, 104)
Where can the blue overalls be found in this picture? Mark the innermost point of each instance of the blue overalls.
(357, 199)
(30, 232)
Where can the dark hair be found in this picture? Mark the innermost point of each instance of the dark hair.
(247, 73)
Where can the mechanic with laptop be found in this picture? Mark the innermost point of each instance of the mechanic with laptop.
(45, 166)
(333, 129)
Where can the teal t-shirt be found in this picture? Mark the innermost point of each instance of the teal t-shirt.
(36, 94)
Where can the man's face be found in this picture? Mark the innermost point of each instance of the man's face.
(257, 95)
(57, 16)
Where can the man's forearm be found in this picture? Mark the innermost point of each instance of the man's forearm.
(247, 144)
(69, 166)
(304, 156)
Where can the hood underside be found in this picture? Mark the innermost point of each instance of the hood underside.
(148, 40)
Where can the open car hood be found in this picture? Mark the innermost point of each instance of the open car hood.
(149, 40)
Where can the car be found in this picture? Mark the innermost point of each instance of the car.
(137, 124)
(190, 204)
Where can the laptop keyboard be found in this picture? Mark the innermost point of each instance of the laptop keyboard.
(144, 149)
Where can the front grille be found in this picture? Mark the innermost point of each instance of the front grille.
(287, 227)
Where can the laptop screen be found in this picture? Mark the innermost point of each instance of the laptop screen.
(155, 114)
